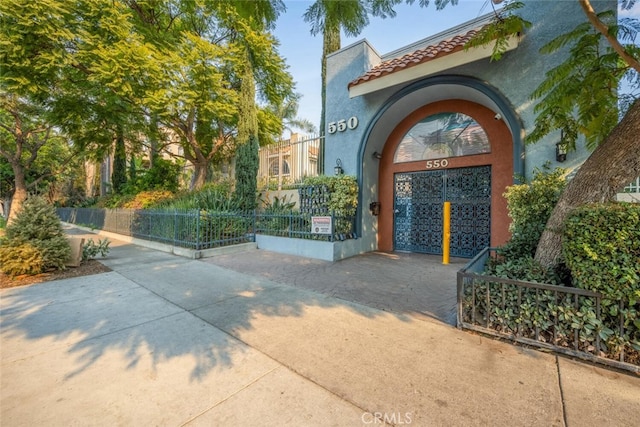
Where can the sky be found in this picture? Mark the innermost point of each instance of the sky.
(302, 51)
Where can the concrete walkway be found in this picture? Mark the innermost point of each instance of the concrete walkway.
(163, 340)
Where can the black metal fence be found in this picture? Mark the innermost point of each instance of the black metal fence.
(202, 229)
(564, 319)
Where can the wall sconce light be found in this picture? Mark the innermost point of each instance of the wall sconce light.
(374, 207)
(561, 149)
(337, 169)
(377, 155)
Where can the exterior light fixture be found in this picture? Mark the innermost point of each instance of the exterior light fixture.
(377, 155)
(561, 149)
(337, 169)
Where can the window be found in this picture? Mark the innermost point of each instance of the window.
(274, 167)
(634, 187)
(442, 135)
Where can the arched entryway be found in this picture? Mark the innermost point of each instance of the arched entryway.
(451, 150)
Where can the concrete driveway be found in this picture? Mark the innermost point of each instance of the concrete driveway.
(163, 340)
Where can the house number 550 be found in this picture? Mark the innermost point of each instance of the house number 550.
(342, 125)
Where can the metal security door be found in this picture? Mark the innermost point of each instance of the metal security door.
(418, 201)
(469, 191)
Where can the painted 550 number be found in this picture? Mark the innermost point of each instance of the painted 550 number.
(435, 164)
(342, 125)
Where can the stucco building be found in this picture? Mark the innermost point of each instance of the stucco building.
(433, 122)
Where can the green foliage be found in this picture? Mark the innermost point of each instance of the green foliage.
(91, 249)
(343, 191)
(278, 204)
(601, 247)
(505, 24)
(580, 96)
(216, 197)
(530, 207)
(523, 268)
(163, 175)
(18, 258)
(36, 228)
(247, 162)
(542, 315)
(119, 177)
(147, 199)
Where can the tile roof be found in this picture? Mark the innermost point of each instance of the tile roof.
(420, 56)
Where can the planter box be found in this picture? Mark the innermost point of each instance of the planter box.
(327, 251)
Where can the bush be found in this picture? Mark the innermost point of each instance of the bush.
(525, 268)
(18, 258)
(601, 247)
(148, 199)
(91, 249)
(163, 175)
(343, 191)
(530, 206)
(34, 241)
(212, 197)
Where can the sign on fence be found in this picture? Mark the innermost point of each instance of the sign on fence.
(321, 224)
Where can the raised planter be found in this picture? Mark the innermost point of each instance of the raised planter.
(559, 318)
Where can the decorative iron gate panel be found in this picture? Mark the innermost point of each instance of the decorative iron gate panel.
(418, 201)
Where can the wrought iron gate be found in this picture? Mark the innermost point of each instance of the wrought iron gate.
(418, 201)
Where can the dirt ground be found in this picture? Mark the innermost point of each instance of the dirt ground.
(87, 268)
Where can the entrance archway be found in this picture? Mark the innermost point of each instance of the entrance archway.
(414, 186)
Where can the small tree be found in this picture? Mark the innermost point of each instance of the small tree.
(247, 163)
(35, 241)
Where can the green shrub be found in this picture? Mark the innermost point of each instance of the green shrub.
(18, 258)
(342, 189)
(91, 249)
(525, 268)
(36, 228)
(601, 247)
(148, 199)
(530, 206)
(163, 175)
(216, 197)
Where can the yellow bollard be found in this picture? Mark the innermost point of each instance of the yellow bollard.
(446, 232)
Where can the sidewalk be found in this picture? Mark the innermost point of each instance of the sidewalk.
(163, 340)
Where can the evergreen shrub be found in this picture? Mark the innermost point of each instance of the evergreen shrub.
(34, 242)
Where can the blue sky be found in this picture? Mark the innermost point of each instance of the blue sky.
(302, 51)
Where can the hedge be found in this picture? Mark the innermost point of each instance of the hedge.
(601, 248)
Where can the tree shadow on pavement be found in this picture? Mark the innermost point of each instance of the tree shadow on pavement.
(153, 305)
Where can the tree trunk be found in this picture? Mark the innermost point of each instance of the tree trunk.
(612, 165)
(330, 44)
(20, 193)
(199, 178)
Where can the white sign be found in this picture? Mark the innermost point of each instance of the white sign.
(321, 225)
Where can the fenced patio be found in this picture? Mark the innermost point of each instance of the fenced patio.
(564, 319)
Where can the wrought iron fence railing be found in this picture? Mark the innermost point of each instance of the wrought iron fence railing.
(564, 319)
(202, 229)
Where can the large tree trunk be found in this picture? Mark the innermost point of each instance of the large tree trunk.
(20, 193)
(199, 178)
(612, 165)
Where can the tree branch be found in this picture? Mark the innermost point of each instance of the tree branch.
(603, 29)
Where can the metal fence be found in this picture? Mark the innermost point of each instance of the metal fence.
(204, 230)
(560, 318)
(287, 162)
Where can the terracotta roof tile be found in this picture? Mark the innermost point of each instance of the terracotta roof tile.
(420, 56)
